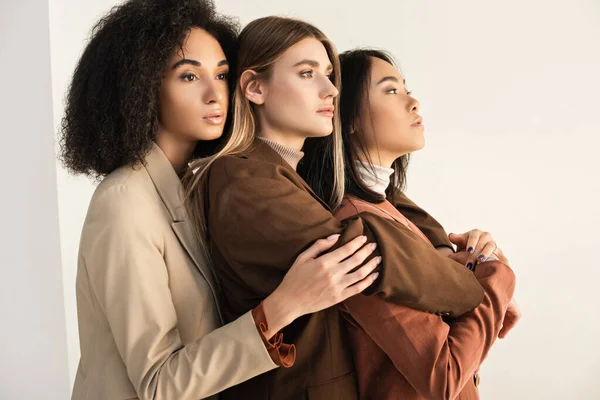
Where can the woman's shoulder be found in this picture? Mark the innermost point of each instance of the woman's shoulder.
(232, 167)
(125, 212)
(352, 205)
(133, 178)
(125, 193)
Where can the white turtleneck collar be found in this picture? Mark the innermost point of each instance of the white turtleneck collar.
(375, 177)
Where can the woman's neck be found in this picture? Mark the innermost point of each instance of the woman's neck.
(178, 152)
(290, 139)
(287, 144)
(290, 155)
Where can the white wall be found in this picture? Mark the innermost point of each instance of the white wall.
(70, 24)
(510, 98)
(33, 343)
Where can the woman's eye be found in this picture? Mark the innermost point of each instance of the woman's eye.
(392, 91)
(189, 77)
(306, 74)
(223, 76)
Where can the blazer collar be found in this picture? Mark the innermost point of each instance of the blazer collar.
(167, 182)
(263, 152)
(171, 192)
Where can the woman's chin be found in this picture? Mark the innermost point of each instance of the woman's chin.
(210, 134)
(419, 144)
(318, 134)
(411, 149)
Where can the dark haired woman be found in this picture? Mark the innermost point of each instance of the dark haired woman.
(399, 352)
(150, 85)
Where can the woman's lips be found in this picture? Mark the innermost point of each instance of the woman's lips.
(418, 123)
(326, 111)
(214, 118)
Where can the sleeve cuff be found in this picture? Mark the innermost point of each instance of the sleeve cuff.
(282, 354)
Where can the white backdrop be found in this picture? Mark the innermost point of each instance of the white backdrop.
(509, 91)
(33, 344)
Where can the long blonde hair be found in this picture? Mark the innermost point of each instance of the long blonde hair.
(262, 42)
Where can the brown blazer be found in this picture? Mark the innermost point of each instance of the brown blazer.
(405, 354)
(149, 322)
(261, 215)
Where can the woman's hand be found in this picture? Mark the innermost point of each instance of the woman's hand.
(513, 312)
(315, 282)
(479, 244)
(513, 315)
(460, 256)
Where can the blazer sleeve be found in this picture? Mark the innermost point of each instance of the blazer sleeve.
(430, 227)
(259, 221)
(438, 358)
(128, 276)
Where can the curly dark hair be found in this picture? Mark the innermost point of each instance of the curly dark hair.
(111, 109)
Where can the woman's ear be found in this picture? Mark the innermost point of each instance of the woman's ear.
(253, 87)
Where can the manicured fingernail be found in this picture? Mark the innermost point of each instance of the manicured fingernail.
(363, 239)
(470, 250)
(377, 260)
(375, 275)
(373, 246)
(481, 258)
(470, 266)
(333, 237)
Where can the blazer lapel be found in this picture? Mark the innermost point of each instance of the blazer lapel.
(170, 190)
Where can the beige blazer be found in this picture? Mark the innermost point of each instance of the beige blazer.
(149, 321)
